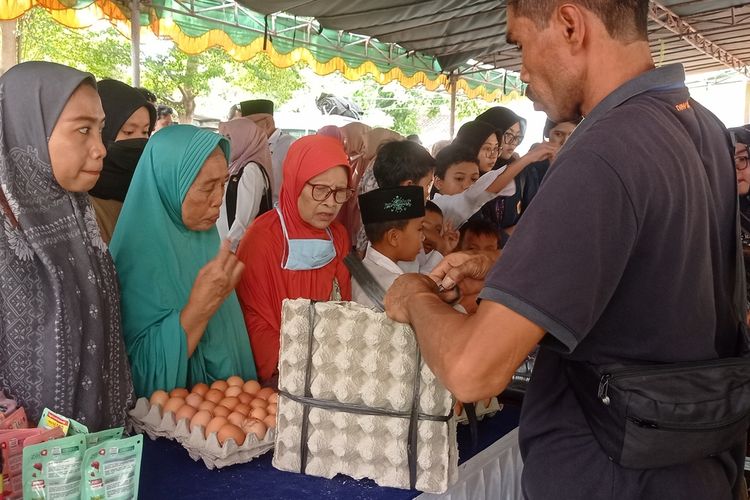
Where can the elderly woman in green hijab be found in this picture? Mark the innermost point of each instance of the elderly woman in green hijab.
(182, 322)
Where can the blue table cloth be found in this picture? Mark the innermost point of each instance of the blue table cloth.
(168, 472)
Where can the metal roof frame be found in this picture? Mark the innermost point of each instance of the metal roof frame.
(703, 34)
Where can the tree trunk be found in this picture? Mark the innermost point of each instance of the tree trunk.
(188, 105)
(9, 56)
(188, 95)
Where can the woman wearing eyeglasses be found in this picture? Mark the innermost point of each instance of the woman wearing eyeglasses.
(504, 212)
(741, 138)
(298, 249)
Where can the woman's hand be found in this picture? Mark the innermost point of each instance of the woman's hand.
(215, 281)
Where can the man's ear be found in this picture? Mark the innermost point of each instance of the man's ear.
(573, 22)
(407, 183)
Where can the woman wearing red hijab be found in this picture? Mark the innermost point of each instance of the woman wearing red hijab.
(296, 250)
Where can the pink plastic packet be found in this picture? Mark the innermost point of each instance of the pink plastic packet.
(7, 406)
(16, 420)
(11, 446)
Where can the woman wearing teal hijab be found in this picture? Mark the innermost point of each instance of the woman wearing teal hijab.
(181, 319)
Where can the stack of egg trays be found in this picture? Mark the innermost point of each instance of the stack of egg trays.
(356, 398)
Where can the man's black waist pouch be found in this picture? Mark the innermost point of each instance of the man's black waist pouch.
(650, 416)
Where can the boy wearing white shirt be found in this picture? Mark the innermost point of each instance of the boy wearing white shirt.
(392, 218)
(461, 190)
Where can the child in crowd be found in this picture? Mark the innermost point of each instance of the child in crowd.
(392, 219)
(479, 234)
(439, 239)
(461, 192)
(400, 163)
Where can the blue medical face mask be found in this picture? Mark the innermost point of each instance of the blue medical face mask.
(305, 255)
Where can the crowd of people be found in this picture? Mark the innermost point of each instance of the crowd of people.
(137, 254)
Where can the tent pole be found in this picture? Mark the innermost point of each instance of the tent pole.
(135, 41)
(452, 85)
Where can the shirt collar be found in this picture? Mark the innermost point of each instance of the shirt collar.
(275, 136)
(381, 260)
(667, 77)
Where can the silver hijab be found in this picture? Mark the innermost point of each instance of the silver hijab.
(61, 343)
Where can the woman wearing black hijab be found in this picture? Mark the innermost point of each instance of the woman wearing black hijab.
(130, 121)
(503, 212)
(482, 139)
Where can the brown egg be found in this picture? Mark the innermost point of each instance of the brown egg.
(271, 409)
(214, 425)
(258, 403)
(207, 405)
(233, 391)
(264, 393)
(235, 380)
(186, 411)
(270, 421)
(229, 403)
(200, 388)
(194, 400)
(236, 418)
(255, 427)
(214, 395)
(259, 413)
(221, 411)
(273, 398)
(242, 408)
(159, 398)
(245, 398)
(200, 419)
(178, 393)
(251, 387)
(231, 431)
(174, 404)
(220, 385)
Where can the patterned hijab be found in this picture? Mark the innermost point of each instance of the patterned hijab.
(60, 326)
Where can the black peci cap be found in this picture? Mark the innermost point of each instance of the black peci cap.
(391, 204)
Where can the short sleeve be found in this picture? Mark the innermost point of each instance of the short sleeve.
(567, 256)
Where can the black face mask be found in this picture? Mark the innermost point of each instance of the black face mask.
(119, 167)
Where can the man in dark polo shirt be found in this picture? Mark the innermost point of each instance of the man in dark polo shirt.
(626, 254)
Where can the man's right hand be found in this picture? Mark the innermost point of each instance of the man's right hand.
(465, 269)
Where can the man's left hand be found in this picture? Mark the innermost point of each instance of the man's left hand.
(404, 288)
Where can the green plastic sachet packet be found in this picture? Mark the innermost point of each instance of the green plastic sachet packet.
(52, 470)
(96, 438)
(112, 470)
(50, 420)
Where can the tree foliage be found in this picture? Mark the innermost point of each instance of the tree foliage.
(412, 109)
(178, 78)
(104, 53)
(175, 77)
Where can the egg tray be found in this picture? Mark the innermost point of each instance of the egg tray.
(347, 400)
(149, 420)
(481, 410)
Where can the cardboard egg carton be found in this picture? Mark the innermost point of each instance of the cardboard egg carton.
(149, 420)
(363, 368)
